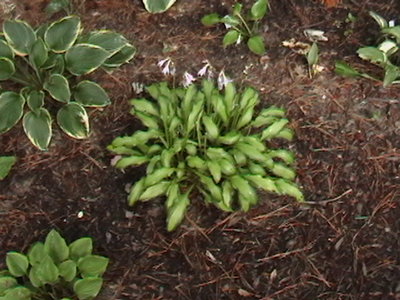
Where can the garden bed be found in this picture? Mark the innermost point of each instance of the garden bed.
(343, 243)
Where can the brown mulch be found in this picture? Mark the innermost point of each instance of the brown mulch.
(342, 244)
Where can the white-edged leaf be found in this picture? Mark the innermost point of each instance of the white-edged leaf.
(37, 126)
(74, 120)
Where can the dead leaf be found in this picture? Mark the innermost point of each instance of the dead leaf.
(331, 3)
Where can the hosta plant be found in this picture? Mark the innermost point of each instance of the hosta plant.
(201, 142)
(6, 163)
(53, 270)
(158, 6)
(243, 26)
(47, 65)
(386, 54)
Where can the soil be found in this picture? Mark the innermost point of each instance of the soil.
(342, 244)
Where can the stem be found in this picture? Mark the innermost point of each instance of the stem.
(244, 23)
(20, 80)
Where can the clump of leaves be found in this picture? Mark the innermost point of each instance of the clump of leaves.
(6, 163)
(242, 26)
(56, 6)
(199, 140)
(47, 63)
(158, 6)
(53, 270)
(312, 59)
(385, 55)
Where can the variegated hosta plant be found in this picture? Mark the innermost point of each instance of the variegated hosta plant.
(53, 270)
(47, 63)
(202, 141)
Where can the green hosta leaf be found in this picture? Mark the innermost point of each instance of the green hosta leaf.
(7, 68)
(230, 20)
(230, 37)
(211, 128)
(283, 171)
(58, 87)
(17, 263)
(256, 44)
(312, 55)
(61, 35)
(176, 212)
(145, 106)
(214, 190)
(59, 65)
(34, 277)
(92, 265)
(36, 253)
(35, 100)
(147, 120)
(131, 161)
(381, 21)
(230, 138)
(6, 163)
(274, 129)
(18, 293)
(136, 191)
(344, 69)
(227, 167)
(108, 40)
(264, 183)
(84, 58)
(11, 110)
(37, 126)
(243, 187)
(73, 120)
(90, 94)
(215, 170)
(87, 288)
(289, 188)
(57, 5)
(250, 151)
(137, 139)
(155, 191)
(395, 31)
(237, 8)
(47, 271)
(157, 6)
(372, 54)
(7, 282)
(38, 55)
(122, 56)
(67, 270)
(19, 35)
(391, 74)
(259, 9)
(157, 176)
(80, 248)
(210, 19)
(5, 50)
(285, 155)
(56, 247)
(41, 30)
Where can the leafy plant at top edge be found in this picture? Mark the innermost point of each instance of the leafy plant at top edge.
(242, 26)
(199, 140)
(53, 270)
(6, 163)
(48, 63)
(385, 55)
(55, 6)
(157, 6)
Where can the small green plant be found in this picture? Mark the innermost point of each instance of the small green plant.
(242, 27)
(55, 6)
(157, 6)
(47, 64)
(6, 163)
(53, 270)
(385, 55)
(312, 59)
(202, 141)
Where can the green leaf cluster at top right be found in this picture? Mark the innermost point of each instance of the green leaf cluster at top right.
(242, 25)
(385, 54)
